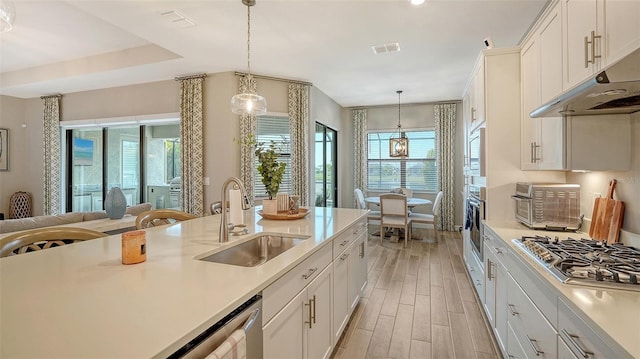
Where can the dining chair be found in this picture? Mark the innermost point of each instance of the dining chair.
(429, 218)
(159, 217)
(374, 216)
(394, 214)
(43, 238)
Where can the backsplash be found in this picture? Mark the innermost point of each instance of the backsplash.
(627, 188)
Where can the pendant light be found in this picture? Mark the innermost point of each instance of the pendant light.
(399, 146)
(249, 102)
(7, 15)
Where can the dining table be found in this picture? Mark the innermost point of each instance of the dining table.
(411, 201)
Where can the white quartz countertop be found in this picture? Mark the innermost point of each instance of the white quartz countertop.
(80, 301)
(613, 312)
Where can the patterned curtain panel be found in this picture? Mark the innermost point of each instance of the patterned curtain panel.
(51, 178)
(359, 119)
(445, 119)
(192, 145)
(247, 127)
(299, 118)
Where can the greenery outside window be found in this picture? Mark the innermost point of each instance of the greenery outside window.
(417, 172)
(276, 129)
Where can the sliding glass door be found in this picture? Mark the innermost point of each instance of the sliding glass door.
(143, 160)
(326, 166)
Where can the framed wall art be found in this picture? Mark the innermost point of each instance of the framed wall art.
(4, 149)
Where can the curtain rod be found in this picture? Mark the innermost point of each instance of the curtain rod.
(274, 78)
(189, 77)
(51, 96)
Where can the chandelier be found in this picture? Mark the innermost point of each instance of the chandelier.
(249, 102)
(399, 146)
(7, 15)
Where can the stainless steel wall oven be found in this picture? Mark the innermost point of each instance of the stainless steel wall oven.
(475, 215)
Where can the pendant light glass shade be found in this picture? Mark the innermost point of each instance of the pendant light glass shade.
(399, 145)
(249, 102)
(7, 15)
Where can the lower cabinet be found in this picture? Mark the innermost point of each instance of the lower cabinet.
(309, 310)
(350, 278)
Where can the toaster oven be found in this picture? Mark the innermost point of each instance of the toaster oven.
(548, 206)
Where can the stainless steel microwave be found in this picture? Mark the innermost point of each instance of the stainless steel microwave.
(477, 160)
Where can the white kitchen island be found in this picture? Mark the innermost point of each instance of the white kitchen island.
(80, 301)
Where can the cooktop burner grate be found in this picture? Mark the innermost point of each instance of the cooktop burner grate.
(586, 261)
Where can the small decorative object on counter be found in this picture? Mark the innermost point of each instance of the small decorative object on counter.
(283, 202)
(115, 203)
(294, 204)
(134, 247)
(270, 206)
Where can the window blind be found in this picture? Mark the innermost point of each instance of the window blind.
(274, 128)
(417, 172)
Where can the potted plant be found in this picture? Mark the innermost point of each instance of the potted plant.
(270, 169)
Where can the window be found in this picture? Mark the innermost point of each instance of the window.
(274, 128)
(417, 172)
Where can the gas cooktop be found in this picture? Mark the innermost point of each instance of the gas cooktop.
(585, 261)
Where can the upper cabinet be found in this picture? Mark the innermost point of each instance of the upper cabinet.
(541, 79)
(597, 34)
(476, 96)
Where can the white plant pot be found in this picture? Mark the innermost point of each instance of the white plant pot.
(270, 206)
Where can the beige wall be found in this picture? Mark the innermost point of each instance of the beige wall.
(221, 153)
(627, 188)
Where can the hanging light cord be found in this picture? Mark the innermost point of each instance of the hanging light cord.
(399, 126)
(249, 39)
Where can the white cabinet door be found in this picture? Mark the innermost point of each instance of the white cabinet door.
(621, 29)
(477, 96)
(340, 294)
(319, 340)
(580, 21)
(530, 100)
(283, 334)
(501, 304)
(490, 285)
(357, 271)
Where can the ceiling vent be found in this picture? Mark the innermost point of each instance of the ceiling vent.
(390, 47)
(177, 19)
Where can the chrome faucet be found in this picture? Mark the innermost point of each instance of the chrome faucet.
(224, 226)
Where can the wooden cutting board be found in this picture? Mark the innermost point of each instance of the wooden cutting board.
(607, 217)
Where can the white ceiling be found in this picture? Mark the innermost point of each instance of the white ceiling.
(71, 46)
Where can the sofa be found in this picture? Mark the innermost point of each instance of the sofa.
(21, 224)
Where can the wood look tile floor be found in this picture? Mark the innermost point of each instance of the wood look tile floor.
(419, 303)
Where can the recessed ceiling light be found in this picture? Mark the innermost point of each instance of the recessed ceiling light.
(416, 2)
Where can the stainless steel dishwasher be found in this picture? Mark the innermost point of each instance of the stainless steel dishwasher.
(247, 316)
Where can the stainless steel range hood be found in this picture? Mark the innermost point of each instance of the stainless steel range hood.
(615, 90)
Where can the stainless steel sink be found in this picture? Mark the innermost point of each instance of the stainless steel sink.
(255, 251)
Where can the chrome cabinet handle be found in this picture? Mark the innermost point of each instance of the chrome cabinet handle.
(498, 250)
(593, 47)
(309, 273)
(344, 243)
(512, 309)
(473, 114)
(344, 256)
(572, 339)
(534, 152)
(531, 154)
(533, 346)
(314, 309)
(489, 266)
(310, 316)
(362, 250)
(586, 52)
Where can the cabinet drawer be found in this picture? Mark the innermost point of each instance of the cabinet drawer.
(536, 336)
(477, 275)
(278, 294)
(342, 241)
(535, 288)
(514, 349)
(580, 338)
